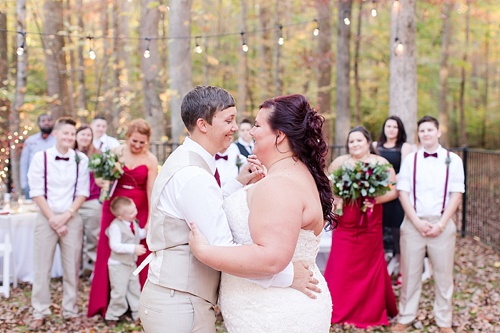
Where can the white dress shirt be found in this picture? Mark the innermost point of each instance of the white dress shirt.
(193, 195)
(32, 145)
(105, 143)
(61, 178)
(115, 240)
(430, 180)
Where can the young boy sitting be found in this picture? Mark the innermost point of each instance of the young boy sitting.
(124, 237)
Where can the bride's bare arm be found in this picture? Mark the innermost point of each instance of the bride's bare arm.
(275, 220)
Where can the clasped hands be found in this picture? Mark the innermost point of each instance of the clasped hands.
(58, 223)
(252, 171)
(428, 229)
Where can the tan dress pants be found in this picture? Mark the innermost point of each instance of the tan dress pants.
(46, 240)
(125, 291)
(91, 213)
(167, 310)
(441, 252)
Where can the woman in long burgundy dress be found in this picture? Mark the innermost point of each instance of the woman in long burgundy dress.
(356, 271)
(140, 170)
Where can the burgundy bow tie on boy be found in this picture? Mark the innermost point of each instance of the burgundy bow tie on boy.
(430, 155)
(59, 158)
(217, 157)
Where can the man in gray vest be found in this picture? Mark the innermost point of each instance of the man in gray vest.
(181, 292)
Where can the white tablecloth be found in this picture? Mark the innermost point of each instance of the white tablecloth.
(22, 228)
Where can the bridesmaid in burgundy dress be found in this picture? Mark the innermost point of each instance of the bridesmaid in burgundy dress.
(356, 271)
(140, 170)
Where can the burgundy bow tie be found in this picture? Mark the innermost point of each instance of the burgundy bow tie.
(59, 158)
(217, 156)
(431, 155)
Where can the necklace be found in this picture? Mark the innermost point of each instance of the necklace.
(281, 159)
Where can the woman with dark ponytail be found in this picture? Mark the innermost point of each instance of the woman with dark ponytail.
(280, 219)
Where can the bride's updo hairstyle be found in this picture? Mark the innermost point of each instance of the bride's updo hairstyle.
(302, 125)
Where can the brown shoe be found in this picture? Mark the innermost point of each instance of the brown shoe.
(36, 324)
(446, 330)
(399, 328)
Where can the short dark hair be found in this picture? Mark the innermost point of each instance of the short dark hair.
(428, 119)
(246, 121)
(203, 102)
(43, 115)
(64, 121)
(118, 203)
(99, 117)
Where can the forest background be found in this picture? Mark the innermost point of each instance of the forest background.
(356, 61)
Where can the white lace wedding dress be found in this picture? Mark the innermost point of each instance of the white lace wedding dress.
(249, 308)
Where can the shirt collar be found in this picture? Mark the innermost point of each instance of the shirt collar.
(194, 146)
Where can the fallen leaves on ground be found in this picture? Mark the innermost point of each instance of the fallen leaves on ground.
(476, 301)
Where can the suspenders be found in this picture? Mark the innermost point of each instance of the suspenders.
(415, 182)
(45, 174)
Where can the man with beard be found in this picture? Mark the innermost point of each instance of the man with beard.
(36, 142)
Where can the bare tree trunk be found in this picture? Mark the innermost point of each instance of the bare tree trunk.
(55, 59)
(179, 58)
(82, 100)
(486, 86)
(243, 66)
(104, 81)
(206, 7)
(117, 66)
(4, 76)
(444, 72)
(356, 63)
(264, 52)
(72, 65)
(325, 66)
(150, 18)
(403, 65)
(278, 69)
(461, 102)
(342, 104)
(21, 80)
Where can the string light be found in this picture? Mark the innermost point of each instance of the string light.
(374, 9)
(198, 48)
(20, 49)
(244, 45)
(281, 40)
(347, 21)
(92, 55)
(316, 30)
(147, 53)
(399, 47)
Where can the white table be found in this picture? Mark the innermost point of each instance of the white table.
(324, 250)
(22, 232)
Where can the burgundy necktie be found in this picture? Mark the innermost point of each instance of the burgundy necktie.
(217, 157)
(132, 227)
(431, 155)
(59, 158)
(217, 177)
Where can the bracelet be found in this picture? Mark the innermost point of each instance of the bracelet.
(71, 211)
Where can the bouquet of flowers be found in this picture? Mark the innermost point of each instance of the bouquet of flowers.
(363, 180)
(108, 167)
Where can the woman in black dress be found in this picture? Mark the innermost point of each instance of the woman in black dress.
(393, 147)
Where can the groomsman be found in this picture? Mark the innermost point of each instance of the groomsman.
(430, 184)
(59, 183)
(245, 141)
(102, 141)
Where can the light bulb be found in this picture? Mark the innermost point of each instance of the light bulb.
(20, 51)
(374, 12)
(147, 54)
(92, 54)
(399, 48)
(316, 32)
(244, 47)
(281, 41)
(198, 49)
(347, 21)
